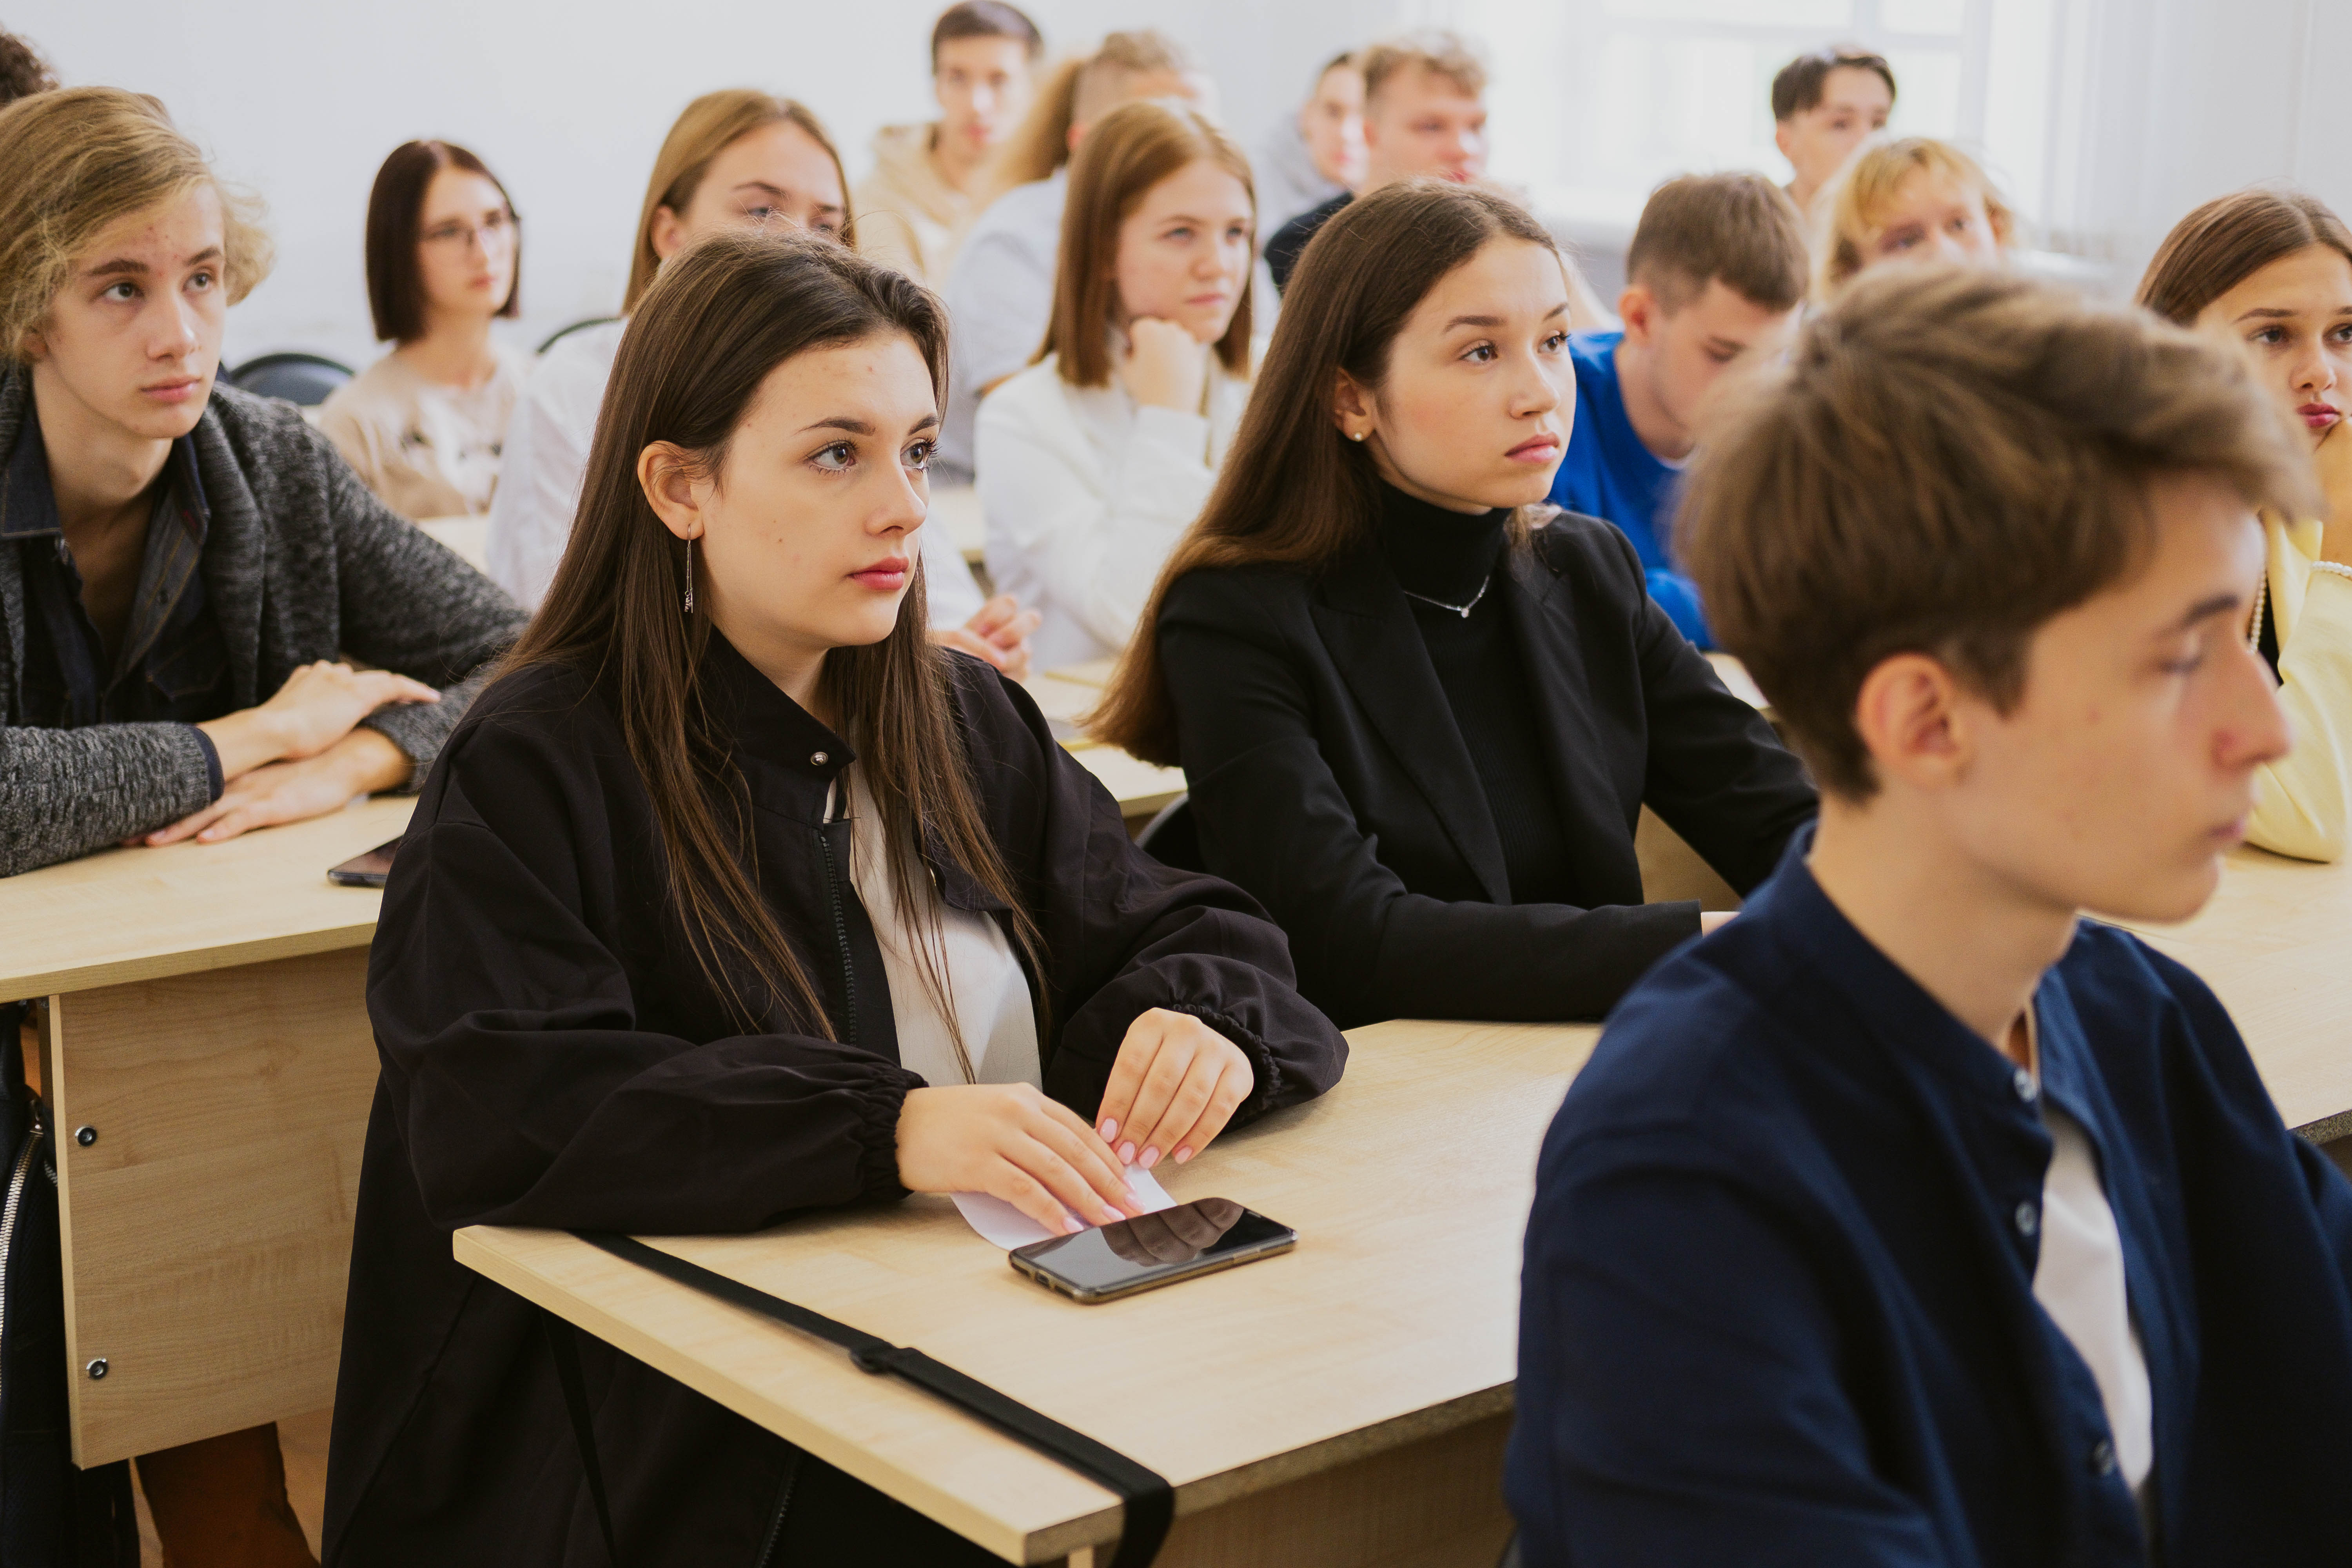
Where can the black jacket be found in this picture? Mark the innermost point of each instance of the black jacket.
(553, 1056)
(1329, 780)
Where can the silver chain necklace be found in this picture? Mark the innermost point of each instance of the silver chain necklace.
(1462, 610)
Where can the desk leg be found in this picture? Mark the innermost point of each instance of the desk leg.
(1436, 1503)
(208, 1222)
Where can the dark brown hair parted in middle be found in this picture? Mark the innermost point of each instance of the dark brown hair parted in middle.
(1952, 456)
(1741, 229)
(1799, 84)
(724, 313)
(1136, 146)
(1294, 492)
(395, 276)
(2231, 238)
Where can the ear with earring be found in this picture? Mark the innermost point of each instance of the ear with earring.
(690, 575)
(1357, 435)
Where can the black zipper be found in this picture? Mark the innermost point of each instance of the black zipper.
(774, 1543)
(840, 937)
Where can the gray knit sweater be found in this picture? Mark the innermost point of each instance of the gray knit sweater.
(300, 563)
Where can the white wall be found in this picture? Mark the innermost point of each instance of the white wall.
(568, 100)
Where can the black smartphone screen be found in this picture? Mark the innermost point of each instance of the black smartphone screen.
(367, 870)
(1198, 1238)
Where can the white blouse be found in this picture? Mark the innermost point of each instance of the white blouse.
(547, 459)
(969, 953)
(1086, 493)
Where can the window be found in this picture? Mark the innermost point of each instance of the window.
(1642, 89)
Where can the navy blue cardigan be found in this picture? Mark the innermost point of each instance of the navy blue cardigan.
(1777, 1304)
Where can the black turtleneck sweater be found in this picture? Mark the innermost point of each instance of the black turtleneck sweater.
(1452, 558)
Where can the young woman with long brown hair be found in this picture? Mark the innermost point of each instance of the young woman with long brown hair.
(2270, 271)
(738, 898)
(1420, 712)
(1095, 459)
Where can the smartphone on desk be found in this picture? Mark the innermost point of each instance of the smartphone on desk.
(367, 870)
(1153, 1249)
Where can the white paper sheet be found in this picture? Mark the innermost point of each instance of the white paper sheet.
(1002, 1225)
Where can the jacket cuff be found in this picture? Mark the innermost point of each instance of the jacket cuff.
(214, 783)
(1266, 1069)
(879, 1103)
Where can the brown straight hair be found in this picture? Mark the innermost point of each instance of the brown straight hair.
(706, 128)
(395, 275)
(1741, 229)
(1136, 146)
(723, 314)
(1294, 492)
(1952, 456)
(2231, 238)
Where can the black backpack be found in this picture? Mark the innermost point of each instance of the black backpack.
(53, 1513)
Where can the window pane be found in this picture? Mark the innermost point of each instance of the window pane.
(1746, 12)
(1943, 17)
(1928, 103)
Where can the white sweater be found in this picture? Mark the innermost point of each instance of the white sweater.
(1086, 494)
(547, 457)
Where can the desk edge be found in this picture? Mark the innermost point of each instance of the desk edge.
(166, 963)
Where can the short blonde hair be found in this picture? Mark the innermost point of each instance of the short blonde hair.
(1433, 51)
(73, 161)
(706, 128)
(1858, 196)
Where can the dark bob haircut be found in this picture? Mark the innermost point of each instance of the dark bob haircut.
(1800, 85)
(395, 282)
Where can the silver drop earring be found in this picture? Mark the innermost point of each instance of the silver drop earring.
(689, 575)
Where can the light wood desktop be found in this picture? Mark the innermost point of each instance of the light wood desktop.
(207, 1027)
(1065, 696)
(469, 536)
(1344, 1404)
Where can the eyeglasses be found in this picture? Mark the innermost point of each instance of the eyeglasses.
(496, 228)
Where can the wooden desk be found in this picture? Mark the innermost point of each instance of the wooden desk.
(208, 1024)
(1142, 789)
(1742, 685)
(2275, 945)
(1344, 1405)
(468, 536)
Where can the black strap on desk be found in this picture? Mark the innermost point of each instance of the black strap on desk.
(1150, 1503)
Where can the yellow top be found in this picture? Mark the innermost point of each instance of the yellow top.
(2302, 800)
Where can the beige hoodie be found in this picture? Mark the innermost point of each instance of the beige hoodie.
(908, 217)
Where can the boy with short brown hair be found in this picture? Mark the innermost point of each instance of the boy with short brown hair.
(1713, 279)
(1912, 1218)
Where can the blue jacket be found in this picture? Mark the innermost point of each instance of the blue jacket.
(1607, 472)
(1777, 1304)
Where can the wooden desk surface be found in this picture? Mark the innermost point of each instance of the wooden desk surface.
(1395, 1319)
(140, 914)
(467, 535)
(1141, 788)
(2275, 943)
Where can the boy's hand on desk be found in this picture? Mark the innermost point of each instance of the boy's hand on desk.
(1176, 1084)
(360, 763)
(1008, 1141)
(318, 705)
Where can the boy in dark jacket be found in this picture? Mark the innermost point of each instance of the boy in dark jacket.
(1913, 1218)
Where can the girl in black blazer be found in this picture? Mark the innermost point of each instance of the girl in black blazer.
(735, 897)
(1419, 713)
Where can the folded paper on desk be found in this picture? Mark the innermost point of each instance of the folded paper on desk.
(1002, 1225)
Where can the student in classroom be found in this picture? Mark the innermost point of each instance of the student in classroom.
(606, 999)
(1317, 155)
(424, 426)
(1911, 199)
(183, 570)
(1424, 113)
(736, 158)
(1095, 459)
(1825, 105)
(914, 207)
(1420, 712)
(2270, 272)
(23, 73)
(1914, 1217)
(1713, 279)
(1001, 291)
